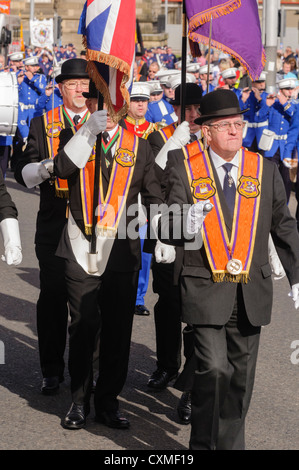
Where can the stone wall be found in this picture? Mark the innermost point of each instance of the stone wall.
(147, 11)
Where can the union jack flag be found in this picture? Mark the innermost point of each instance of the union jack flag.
(108, 29)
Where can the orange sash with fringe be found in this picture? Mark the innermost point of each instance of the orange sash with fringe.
(219, 248)
(110, 207)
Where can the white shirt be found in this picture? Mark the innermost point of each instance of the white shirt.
(219, 162)
(72, 114)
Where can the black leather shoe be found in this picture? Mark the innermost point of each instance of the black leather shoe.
(141, 310)
(76, 416)
(184, 408)
(112, 419)
(50, 385)
(160, 379)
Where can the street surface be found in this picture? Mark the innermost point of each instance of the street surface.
(31, 421)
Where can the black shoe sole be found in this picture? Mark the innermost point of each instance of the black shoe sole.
(73, 427)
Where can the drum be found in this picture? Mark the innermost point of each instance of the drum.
(9, 102)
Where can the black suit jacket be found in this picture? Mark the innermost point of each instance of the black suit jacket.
(205, 301)
(126, 253)
(51, 216)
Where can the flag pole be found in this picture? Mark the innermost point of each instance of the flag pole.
(97, 169)
(209, 55)
(184, 60)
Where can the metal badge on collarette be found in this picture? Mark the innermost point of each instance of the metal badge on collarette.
(125, 157)
(54, 131)
(248, 186)
(234, 266)
(203, 188)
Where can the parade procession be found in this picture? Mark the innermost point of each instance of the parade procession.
(149, 221)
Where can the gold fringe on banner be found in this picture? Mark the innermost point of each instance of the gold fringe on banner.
(195, 39)
(205, 16)
(101, 85)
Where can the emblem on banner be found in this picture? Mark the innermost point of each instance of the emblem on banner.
(125, 157)
(248, 186)
(203, 188)
(54, 131)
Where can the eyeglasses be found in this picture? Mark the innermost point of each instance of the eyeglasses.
(73, 84)
(225, 126)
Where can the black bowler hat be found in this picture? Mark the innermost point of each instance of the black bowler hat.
(219, 103)
(193, 95)
(72, 68)
(92, 92)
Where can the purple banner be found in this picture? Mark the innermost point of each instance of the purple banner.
(235, 30)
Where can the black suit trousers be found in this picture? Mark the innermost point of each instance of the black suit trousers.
(225, 368)
(99, 307)
(51, 311)
(167, 312)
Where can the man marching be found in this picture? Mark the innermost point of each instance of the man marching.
(226, 284)
(105, 296)
(35, 168)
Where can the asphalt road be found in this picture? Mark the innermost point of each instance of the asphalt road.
(31, 421)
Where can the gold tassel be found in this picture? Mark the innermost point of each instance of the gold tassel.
(62, 193)
(227, 277)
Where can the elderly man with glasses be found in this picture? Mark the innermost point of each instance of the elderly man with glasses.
(224, 204)
(35, 169)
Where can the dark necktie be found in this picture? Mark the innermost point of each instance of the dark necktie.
(229, 188)
(107, 150)
(193, 138)
(76, 119)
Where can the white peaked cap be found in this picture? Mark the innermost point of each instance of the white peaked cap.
(229, 73)
(33, 60)
(287, 83)
(155, 86)
(192, 68)
(175, 80)
(140, 90)
(262, 77)
(204, 68)
(16, 56)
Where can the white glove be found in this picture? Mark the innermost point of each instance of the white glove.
(35, 173)
(196, 216)
(179, 138)
(276, 266)
(79, 148)
(181, 135)
(48, 164)
(164, 253)
(97, 122)
(12, 242)
(295, 295)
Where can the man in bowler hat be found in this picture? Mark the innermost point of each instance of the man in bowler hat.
(226, 284)
(103, 297)
(35, 168)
